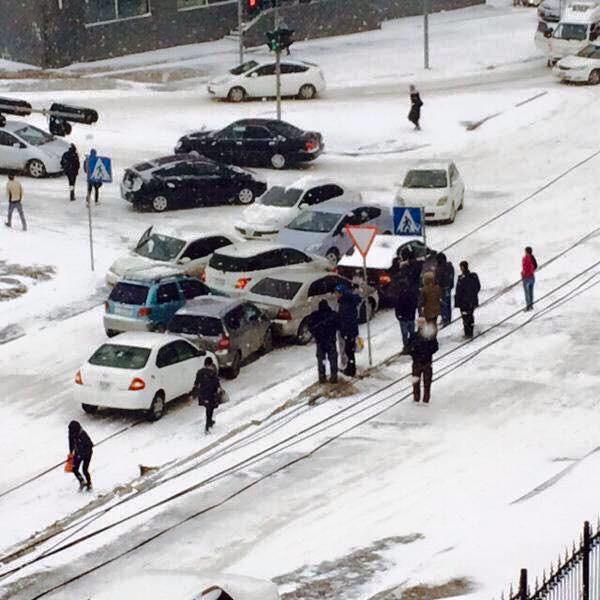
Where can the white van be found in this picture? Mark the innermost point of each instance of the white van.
(579, 26)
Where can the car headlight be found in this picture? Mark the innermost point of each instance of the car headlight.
(442, 201)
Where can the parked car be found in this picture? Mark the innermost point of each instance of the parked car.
(280, 205)
(232, 268)
(384, 250)
(147, 302)
(583, 67)
(139, 371)
(24, 147)
(188, 180)
(255, 142)
(289, 297)
(320, 229)
(435, 185)
(549, 11)
(254, 79)
(188, 253)
(233, 329)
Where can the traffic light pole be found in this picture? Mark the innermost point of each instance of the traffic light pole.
(241, 28)
(426, 33)
(278, 82)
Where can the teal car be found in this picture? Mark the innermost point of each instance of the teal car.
(147, 302)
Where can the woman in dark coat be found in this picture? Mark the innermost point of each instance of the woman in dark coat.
(70, 165)
(415, 107)
(80, 446)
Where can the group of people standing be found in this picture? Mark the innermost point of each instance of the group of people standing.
(71, 165)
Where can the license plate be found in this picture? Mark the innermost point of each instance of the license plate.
(219, 281)
(104, 385)
(122, 310)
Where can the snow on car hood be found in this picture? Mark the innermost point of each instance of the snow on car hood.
(220, 80)
(302, 240)
(55, 148)
(132, 263)
(422, 196)
(259, 214)
(574, 62)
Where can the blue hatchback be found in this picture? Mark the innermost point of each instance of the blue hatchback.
(147, 302)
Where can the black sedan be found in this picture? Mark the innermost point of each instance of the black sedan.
(255, 142)
(188, 180)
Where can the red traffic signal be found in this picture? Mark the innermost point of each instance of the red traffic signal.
(8, 106)
(75, 114)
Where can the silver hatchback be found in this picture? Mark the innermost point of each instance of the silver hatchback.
(233, 329)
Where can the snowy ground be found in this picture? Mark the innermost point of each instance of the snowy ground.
(441, 480)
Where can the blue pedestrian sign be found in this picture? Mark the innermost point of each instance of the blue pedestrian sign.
(99, 169)
(408, 220)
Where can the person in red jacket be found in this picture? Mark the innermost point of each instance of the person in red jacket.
(528, 268)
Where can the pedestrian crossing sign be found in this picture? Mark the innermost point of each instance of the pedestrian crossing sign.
(408, 220)
(100, 169)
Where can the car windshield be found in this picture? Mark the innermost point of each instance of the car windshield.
(276, 288)
(196, 325)
(281, 197)
(34, 136)
(590, 51)
(315, 221)
(426, 179)
(129, 293)
(120, 357)
(570, 31)
(286, 129)
(244, 67)
(235, 264)
(160, 247)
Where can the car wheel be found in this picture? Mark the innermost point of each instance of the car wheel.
(236, 94)
(307, 92)
(278, 161)
(90, 409)
(268, 342)
(452, 214)
(111, 332)
(36, 168)
(462, 202)
(157, 408)
(234, 370)
(160, 204)
(245, 196)
(594, 78)
(333, 256)
(304, 336)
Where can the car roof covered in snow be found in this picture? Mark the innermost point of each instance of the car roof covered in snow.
(151, 274)
(209, 306)
(425, 165)
(310, 181)
(248, 249)
(299, 276)
(172, 159)
(191, 235)
(143, 339)
(382, 252)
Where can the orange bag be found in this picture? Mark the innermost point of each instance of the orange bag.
(69, 463)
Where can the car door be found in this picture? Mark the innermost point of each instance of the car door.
(193, 288)
(204, 183)
(194, 257)
(315, 293)
(256, 327)
(188, 363)
(290, 82)
(172, 185)
(261, 82)
(170, 372)
(224, 145)
(168, 301)
(12, 152)
(258, 145)
(237, 329)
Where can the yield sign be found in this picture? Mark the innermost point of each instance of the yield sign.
(362, 236)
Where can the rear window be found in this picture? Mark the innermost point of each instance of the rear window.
(129, 293)
(276, 288)
(234, 264)
(434, 178)
(285, 128)
(281, 197)
(196, 325)
(120, 357)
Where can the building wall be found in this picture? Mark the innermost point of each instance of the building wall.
(395, 9)
(22, 28)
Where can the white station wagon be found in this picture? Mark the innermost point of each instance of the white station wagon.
(255, 79)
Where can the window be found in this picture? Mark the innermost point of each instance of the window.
(234, 318)
(160, 247)
(196, 325)
(167, 355)
(435, 178)
(315, 221)
(193, 288)
(570, 31)
(129, 293)
(167, 292)
(241, 69)
(34, 136)
(367, 213)
(100, 11)
(120, 357)
(287, 68)
(317, 288)
(321, 194)
(197, 249)
(276, 288)
(257, 133)
(281, 197)
(251, 313)
(265, 70)
(7, 139)
(202, 168)
(217, 242)
(184, 350)
(294, 257)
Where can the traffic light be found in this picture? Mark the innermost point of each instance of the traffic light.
(273, 41)
(62, 115)
(58, 126)
(8, 106)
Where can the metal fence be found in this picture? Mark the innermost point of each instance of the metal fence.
(575, 576)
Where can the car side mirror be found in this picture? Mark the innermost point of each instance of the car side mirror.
(184, 261)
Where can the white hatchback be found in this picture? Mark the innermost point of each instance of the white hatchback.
(139, 371)
(255, 79)
(437, 187)
(583, 67)
(24, 147)
(280, 205)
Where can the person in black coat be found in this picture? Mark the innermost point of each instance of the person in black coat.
(348, 303)
(444, 277)
(70, 165)
(466, 298)
(324, 324)
(415, 107)
(422, 347)
(206, 389)
(80, 447)
(407, 301)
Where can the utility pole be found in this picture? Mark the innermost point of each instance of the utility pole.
(241, 28)
(426, 9)
(277, 61)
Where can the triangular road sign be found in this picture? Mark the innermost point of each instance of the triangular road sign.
(100, 172)
(362, 236)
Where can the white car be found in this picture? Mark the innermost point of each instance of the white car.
(189, 253)
(139, 371)
(232, 268)
(435, 185)
(24, 147)
(583, 67)
(254, 79)
(280, 205)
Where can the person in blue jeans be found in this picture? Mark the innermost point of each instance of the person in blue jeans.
(406, 309)
(528, 268)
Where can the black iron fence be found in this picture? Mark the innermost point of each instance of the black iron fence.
(575, 576)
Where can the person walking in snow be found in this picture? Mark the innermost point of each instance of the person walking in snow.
(348, 303)
(80, 447)
(466, 298)
(422, 345)
(95, 185)
(14, 191)
(414, 116)
(528, 268)
(70, 165)
(324, 324)
(444, 277)
(406, 310)
(206, 389)
(429, 300)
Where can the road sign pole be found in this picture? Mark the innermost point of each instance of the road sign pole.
(367, 310)
(278, 82)
(241, 29)
(423, 228)
(89, 207)
(426, 33)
